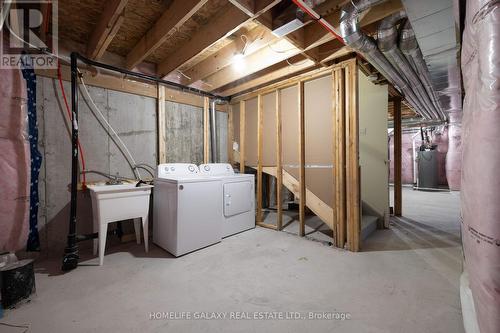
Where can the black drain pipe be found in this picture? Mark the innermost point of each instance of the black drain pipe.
(70, 260)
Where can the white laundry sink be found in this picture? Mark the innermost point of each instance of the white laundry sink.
(111, 203)
(120, 202)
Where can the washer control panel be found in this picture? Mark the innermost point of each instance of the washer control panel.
(179, 169)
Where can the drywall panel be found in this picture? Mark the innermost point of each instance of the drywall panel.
(269, 130)
(184, 133)
(251, 130)
(373, 144)
(319, 137)
(290, 130)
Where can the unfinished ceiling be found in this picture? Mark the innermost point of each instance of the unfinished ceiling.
(224, 46)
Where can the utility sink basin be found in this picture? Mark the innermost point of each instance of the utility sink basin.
(112, 203)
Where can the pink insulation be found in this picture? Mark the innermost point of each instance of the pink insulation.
(407, 157)
(14, 162)
(480, 193)
(454, 156)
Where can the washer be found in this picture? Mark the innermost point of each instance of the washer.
(238, 197)
(186, 210)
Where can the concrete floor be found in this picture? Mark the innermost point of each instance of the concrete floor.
(406, 280)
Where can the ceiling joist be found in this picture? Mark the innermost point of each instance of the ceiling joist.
(173, 18)
(107, 27)
(228, 20)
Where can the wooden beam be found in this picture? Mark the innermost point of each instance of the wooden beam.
(224, 23)
(268, 75)
(260, 124)
(246, 6)
(227, 21)
(339, 164)
(242, 136)
(107, 26)
(266, 225)
(334, 152)
(279, 166)
(397, 157)
(352, 157)
(313, 202)
(162, 126)
(306, 76)
(206, 130)
(174, 17)
(302, 157)
(127, 85)
(316, 35)
(257, 38)
(253, 63)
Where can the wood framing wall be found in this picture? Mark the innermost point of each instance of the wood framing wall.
(304, 132)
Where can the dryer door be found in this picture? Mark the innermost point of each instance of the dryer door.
(237, 198)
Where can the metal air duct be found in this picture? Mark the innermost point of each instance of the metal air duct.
(387, 43)
(353, 36)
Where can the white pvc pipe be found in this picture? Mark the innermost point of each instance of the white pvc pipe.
(129, 158)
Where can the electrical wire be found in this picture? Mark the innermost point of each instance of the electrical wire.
(130, 158)
(181, 73)
(281, 51)
(82, 156)
(25, 326)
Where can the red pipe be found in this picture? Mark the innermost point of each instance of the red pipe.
(302, 5)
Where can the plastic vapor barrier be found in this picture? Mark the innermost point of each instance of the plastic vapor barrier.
(481, 159)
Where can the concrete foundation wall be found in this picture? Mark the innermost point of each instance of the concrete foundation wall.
(134, 119)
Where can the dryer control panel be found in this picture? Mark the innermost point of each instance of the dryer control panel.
(178, 169)
(216, 169)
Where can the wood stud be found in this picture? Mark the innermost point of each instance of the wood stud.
(259, 157)
(279, 164)
(302, 158)
(397, 157)
(242, 136)
(162, 126)
(206, 130)
(346, 204)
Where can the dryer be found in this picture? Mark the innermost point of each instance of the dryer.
(187, 209)
(238, 197)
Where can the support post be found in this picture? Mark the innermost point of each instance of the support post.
(206, 131)
(279, 163)
(339, 164)
(397, 157)
(352, 157)
(162, 126)
(302, 157)
(259, 158)
(242, 137)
